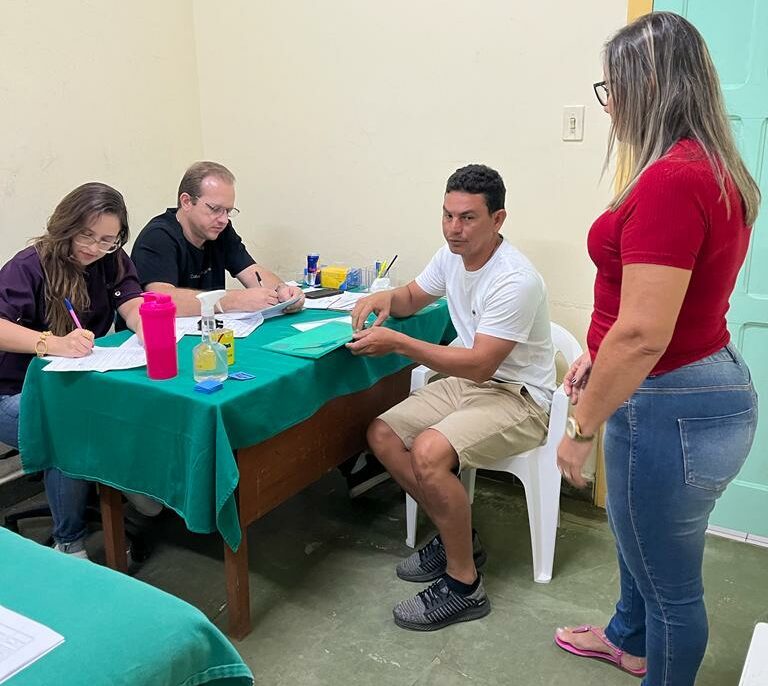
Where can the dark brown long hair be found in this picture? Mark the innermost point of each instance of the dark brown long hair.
(63, 274)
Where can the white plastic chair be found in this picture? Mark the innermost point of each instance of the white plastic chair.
(755, 671)
(536, 468)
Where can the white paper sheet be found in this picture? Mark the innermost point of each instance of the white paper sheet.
(275, 310)
(226, 315)
(22, 641)
(344, 302)
(266, 313)
(306, 326)
(100, 360)
(241, 323)
(132, 343)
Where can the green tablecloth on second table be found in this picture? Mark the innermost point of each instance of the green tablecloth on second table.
(163, 439)
(117, 631)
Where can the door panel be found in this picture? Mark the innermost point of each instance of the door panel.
(735, 33)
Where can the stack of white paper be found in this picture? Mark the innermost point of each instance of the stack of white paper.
(22, 641)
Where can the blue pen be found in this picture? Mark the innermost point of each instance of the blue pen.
(72, 314)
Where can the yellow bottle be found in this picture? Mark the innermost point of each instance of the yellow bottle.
(227, 338)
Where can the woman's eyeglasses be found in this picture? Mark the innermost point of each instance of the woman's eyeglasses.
(601, 91)
(86, 241)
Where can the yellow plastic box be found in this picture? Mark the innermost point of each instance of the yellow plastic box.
(333, 275)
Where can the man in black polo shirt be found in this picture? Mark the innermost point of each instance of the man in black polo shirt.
(186, 249)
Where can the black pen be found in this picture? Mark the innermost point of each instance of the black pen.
(258, 278)
(389, 267)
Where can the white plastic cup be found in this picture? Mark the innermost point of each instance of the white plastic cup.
(380, 284)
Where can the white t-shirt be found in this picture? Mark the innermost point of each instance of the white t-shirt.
(505, 298)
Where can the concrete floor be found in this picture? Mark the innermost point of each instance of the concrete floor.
(323, 585)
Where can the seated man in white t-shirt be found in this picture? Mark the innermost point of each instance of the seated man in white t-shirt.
(494, 401)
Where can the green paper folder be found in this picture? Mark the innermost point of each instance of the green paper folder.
(314, 343)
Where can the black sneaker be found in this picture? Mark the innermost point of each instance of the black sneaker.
(437, 606)
(367, 473)
(430, 562)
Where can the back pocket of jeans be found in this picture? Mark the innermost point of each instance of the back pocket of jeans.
(714, 448)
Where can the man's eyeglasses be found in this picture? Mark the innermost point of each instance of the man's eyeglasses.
(86, 241)
(601, 91)
(218, 210)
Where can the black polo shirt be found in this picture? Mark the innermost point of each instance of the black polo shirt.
(162, 253)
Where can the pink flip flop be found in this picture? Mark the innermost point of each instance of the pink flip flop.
(614, 657)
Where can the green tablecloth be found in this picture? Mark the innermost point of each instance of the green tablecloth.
(163, 439)
(117, 631)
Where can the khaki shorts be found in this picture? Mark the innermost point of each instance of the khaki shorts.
(483, 422)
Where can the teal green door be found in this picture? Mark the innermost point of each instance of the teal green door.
(737, 34)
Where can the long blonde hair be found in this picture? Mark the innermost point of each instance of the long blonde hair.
(664, 87)
(64, 276)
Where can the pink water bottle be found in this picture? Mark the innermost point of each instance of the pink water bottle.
(158, 320)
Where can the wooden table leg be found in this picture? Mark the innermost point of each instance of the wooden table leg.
(114, 527)
(238, 591)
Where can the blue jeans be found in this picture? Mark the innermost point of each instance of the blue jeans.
(670, 451)
(9, 419)
(67, 497)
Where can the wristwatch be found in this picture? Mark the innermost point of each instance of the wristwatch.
(573, 430)
(41, 346)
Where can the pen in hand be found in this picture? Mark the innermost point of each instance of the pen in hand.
(72, 314)
(273, 290)
(87, 334)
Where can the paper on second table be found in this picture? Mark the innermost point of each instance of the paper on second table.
(24, 641)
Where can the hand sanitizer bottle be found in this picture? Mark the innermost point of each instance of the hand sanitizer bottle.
(209, 358)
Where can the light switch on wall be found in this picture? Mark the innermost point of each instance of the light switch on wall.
(573, 123)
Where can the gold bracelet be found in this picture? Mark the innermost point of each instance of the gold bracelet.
(42, 352)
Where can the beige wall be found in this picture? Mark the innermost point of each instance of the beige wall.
(101, 91)
(342, 121)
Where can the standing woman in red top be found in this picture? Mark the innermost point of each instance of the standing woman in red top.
(680, 407)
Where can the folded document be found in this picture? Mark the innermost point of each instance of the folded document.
(314, 343)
